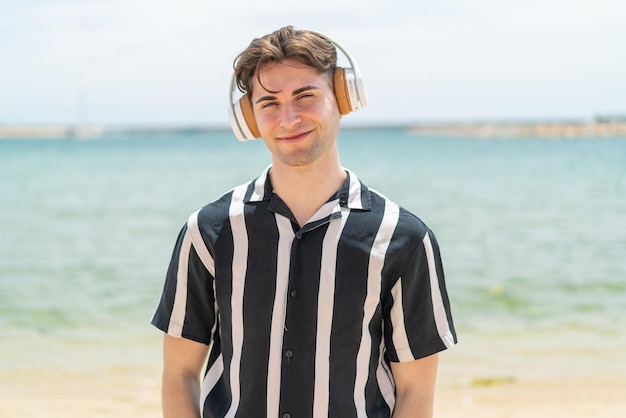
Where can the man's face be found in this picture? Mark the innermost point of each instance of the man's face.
(296, 112)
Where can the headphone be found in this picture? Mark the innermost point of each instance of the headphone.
(348, 86)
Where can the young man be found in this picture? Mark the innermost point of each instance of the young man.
(305, 293)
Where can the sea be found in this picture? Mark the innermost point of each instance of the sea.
(532, 233)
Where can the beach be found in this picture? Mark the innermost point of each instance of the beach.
(135, 394)
(547, 398)
(501, 380)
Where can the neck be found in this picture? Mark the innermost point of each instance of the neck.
(306, 188)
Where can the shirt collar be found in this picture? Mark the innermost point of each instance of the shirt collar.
(353, 194)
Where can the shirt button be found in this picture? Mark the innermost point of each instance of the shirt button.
(293, 293)
(288, 354)
(286, 415)
(299, 235)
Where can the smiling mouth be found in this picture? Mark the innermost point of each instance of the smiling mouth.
(294, 137)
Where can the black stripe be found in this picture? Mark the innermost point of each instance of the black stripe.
(259, 296)
(298, 371)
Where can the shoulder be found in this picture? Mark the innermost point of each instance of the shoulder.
(410, 223)
(217, 209)
(412, 241)
(217, 212)
(407, 223)
(386, 213)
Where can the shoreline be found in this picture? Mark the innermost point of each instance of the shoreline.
(477, 129)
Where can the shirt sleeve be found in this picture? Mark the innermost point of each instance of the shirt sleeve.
(187, 306)
(420, 321)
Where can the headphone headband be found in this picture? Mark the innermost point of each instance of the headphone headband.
(355, 84)
(349, 92)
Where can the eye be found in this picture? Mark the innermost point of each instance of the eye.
(305, 97)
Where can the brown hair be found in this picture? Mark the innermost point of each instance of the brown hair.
(305, 47)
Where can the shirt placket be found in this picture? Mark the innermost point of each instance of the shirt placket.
(298, 351)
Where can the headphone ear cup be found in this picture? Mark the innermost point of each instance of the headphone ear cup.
(248, 114)
(342, 93)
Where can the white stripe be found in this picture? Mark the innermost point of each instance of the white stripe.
(354, 192)
(399, 335)
(377, 258)
(258, 192)
(326, 210)
(325, 315)
(441, 319)
(199, 245)
(384, 377)
(210, 380)
(285, 241)
(240, 264)
(177, 318)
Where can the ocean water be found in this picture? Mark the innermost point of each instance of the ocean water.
(532, 231)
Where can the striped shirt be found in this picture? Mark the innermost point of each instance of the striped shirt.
(304, 321)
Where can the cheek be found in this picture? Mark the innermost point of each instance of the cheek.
(263, 122)
(331, 104)
(331, 109)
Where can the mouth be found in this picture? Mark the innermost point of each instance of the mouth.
(293, 137)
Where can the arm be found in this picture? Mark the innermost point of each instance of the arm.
(182, 364)
(415, 387)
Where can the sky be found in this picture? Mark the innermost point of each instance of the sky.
(156, 62)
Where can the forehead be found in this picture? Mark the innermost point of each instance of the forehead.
(287, 75)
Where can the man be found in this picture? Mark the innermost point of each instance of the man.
(305, 293)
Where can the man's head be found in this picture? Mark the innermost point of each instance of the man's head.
(303, 46)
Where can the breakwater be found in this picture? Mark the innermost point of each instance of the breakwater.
(574, 129)
(530, 129)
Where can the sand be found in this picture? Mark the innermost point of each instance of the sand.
(53, 393)
(538, 399)
(134, 393)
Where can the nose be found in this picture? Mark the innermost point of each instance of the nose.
(289, 116)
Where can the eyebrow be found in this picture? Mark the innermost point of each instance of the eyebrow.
(294, 93)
